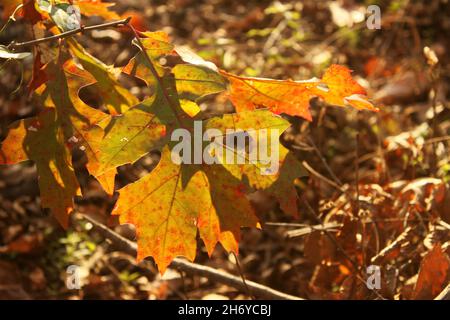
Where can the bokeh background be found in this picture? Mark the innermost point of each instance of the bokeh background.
(395, 162)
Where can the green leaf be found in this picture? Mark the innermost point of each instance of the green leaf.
(195, 82)
(116, 98)
(42, 140)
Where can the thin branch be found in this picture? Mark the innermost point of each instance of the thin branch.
(359, 275)
(11, 18)
(353, 262)
(324, 162)
(241, 273)
(323, 178)
(445, 294)
(130, 247)
(437, 139)
(123, 22)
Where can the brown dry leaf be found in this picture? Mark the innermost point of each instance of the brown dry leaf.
(27, 243)
(10, 284)
(434, 274)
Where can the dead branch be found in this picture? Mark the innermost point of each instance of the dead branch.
(445, 294)
(130, 247)
(113, 24)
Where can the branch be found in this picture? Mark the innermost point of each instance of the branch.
(445, 294)
(130, 247)
(323, 178)
(123, 22)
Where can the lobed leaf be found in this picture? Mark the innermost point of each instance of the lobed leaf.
(169, 204)
(41, 140)
(164, 211)
(292, 97)
(262, 123)
(116, 98)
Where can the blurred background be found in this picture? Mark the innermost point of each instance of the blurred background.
(395, 162)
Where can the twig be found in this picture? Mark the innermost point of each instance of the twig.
(330, 236)
(445, 294)
(324, 162)
(130, 247)
(359, 275)
(123, 22)
(437, 139)
(357, 172)
(321, 177)
(402, 238)
(241, 273)
(11, 18)
(331, 227)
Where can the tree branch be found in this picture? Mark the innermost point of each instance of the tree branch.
(445, 294)
(130, 247)
(123, 22)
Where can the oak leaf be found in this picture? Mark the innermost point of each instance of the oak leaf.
(49, 138)
(169, 204)
(277, 178)
(42, 140)
(292, 97)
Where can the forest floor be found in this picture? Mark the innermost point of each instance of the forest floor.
(377, 192)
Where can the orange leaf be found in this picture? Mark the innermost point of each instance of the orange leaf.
(292, 97)
(97, 8)
(28, 12)
(169, 204)
(41, 139)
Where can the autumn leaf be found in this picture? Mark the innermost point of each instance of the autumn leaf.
(41, 140)
(292, 97)
(196, 78)
(156, 45)
(340, 89)
(49, 138)
(62, 12)
(169, 204)
(230, 210)
(218, 190)
(143, 128)
(27, 11)
(116, 98)
(96, 8)
(78, 119)
(194, 59)
(165, 211)
(434, 274)
(195, 82)
(39, 76)
(276, 176)
(130, 136)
